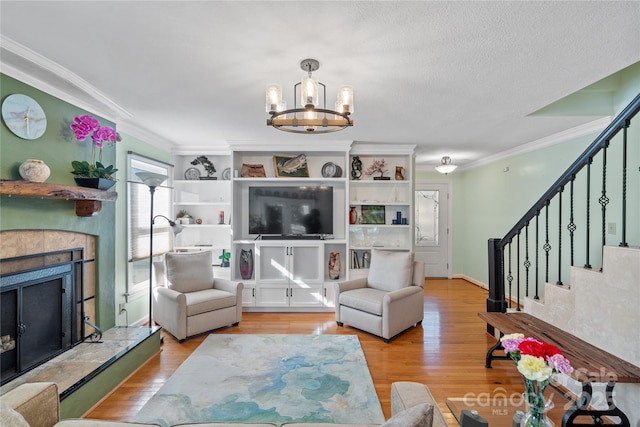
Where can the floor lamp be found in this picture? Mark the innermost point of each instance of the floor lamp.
(153, 180)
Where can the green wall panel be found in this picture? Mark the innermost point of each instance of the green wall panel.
(57, 148)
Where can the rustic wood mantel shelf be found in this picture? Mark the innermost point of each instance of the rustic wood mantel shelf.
(88, 200)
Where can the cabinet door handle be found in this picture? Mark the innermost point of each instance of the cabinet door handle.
(291, 293)
(253, 292)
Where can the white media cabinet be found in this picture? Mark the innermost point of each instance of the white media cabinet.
(291, 274)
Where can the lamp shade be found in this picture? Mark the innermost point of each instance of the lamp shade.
(445, 166)
(151, 179)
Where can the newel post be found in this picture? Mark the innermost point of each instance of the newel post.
(496, 301)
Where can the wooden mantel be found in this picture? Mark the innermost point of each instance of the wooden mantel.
(88, 200)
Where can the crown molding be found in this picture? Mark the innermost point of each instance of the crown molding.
(28, 66)
(594, 126)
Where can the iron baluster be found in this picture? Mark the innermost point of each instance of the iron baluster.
(604, 200)
(518, 266)
(547, 246)
(588, 243)
(559, 281)
(572, 225)
(624, 243)
(527, 263)
(537, 256)
(510, 279)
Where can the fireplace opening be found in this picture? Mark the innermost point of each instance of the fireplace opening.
(37, 315)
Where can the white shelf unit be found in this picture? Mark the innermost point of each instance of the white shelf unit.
(384, 208)
(207, 201)
(289, 274)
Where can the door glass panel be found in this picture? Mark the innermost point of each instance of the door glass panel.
(427, 209)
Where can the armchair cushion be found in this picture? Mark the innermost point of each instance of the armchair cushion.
(208, 300)
(189, 272)
(368, 300)
(390, 270)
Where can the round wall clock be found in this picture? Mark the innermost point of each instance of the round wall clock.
(24, 116)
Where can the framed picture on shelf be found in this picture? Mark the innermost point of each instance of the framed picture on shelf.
(289, 166)
(372, 214)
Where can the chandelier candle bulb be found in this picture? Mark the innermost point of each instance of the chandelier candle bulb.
(345, 99)
(309, 92)
(274, 98)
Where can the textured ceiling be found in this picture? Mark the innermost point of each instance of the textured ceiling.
(456, 78)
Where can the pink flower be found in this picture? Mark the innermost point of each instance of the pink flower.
(82, 126)
(510, 342)
(559, 363)
(103, 134)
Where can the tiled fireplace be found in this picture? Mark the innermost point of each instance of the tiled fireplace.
(47, 285)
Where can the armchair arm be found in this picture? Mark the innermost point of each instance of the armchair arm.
(400, 309)
(401, 293)
(170, 311)
(228, 285)
(348, 285)
(234, 288)
(38, 403)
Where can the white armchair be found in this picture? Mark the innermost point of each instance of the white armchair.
(389, 300)
(189, 300)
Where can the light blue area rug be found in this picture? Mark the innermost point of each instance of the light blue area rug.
(269, 378)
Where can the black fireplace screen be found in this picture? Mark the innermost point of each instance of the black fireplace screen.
(36, 321)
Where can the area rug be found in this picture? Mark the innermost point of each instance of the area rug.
(269, 378)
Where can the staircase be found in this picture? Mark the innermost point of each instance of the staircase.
(561, 264)
(603, 308)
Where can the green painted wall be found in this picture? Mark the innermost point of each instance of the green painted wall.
(138, 306)
(57, 148)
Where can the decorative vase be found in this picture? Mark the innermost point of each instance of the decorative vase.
(34, 170)
(99, 183)
(334, 265)
(246, 264)
(399, 173)
(534, 396)
(353, 215)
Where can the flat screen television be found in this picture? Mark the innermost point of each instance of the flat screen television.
(291, 211)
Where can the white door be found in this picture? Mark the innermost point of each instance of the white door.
(432, 234)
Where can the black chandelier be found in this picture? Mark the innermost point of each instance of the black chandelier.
(309, 119)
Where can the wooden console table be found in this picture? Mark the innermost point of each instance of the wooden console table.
(591, 363)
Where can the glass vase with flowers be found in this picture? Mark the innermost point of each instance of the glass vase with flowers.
(537, 361)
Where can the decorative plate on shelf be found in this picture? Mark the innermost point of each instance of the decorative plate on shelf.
(192, 174)
(226, 174)
(331, 170)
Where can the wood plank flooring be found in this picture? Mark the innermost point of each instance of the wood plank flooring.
(447, 352)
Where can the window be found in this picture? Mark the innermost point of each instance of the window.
(139, 219)
(427, 207)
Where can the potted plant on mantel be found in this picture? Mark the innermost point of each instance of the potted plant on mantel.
(94, 174)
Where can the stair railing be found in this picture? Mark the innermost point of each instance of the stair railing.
(501, 273)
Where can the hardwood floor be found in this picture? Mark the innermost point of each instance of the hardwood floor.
(447, 352)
